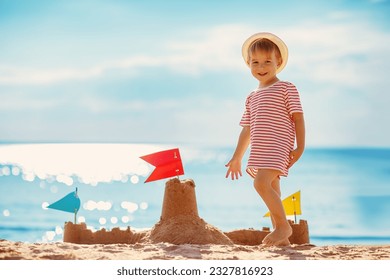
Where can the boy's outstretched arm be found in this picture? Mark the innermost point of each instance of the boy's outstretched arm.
(299, 122)
(234, 165)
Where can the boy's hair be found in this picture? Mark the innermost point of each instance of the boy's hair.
(264, 45)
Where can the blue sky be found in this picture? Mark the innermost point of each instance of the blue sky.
(171, 71)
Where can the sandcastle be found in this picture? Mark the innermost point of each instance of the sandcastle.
(81, 235)
(254, 237)
(179, 224)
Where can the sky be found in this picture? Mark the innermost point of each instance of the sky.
(172, 72)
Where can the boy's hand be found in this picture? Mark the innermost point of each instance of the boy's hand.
(234, 169)
(294, 156)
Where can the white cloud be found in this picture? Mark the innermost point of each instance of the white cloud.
(334, 52)
(14, 76)
(31, 76)
(218, 49)
(17, 102)
(215, 49)
(352, 54)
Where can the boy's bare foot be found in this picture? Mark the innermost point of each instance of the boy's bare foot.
(279, 237)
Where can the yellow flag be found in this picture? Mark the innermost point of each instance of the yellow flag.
(291, 204)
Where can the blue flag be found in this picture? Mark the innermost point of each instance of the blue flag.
(69, 203)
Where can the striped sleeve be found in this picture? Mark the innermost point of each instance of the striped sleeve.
(245, 119)
(293, 102)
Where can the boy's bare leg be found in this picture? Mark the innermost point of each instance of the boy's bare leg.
(276, 186)
(263, 185)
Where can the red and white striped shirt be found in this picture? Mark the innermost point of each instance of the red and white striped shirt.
(268, 112)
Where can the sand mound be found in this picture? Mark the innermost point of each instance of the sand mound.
(187, 230)
(247, 236)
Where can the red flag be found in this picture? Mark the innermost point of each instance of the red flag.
(168, 164)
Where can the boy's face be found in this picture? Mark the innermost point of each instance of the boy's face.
(263, 66)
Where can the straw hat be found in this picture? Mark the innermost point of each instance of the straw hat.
(273, 38)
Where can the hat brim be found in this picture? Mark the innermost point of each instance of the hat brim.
(273, 38)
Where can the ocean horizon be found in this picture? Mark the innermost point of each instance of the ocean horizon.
(345, 194)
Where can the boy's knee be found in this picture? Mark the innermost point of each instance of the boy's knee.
(262, 185)
(264, 179)
(260, 182)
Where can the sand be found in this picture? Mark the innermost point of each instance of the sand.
(166, 251)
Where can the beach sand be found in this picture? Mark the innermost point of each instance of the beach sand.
(166, 251)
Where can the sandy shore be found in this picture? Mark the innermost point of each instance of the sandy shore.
(165, 251)
(180, 235)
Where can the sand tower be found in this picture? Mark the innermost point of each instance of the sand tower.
(180, 222)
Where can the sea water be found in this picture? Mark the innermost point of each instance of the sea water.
(345, 192)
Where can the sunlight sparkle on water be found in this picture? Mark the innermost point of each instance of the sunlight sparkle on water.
(89, 163)
(50, 235)
(42, 184)
(6, 171)
(102, 221)
(67, 180)
(29, 176)
(53, 189)
(15, 171)
(134, 179)
(124, 178)
(143, 205)
(114, 220)
(129, 206)
(100, 205)
(59, 230)
(45, 205)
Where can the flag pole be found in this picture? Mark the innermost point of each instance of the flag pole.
(75, 210)
(177, 169)
(295, 212)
